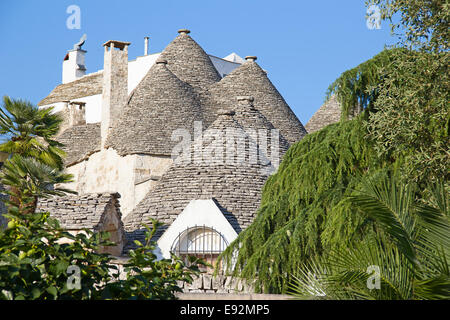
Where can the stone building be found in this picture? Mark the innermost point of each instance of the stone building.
(328, 113)
(97, 212)
(184, 137)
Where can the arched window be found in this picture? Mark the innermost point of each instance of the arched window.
(201, 242)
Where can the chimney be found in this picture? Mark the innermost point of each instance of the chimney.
(73, 65)
(77, 113)
(73, 114)
(145, 46)
(115, 84)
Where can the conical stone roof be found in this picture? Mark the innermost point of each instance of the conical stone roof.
(229, 177)
(80, 142)
(189, 62)
(254, 122)
(250, 80)
(328, 113)
(160, 104)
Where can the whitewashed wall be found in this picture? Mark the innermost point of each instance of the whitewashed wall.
(222, 66)
(106, 171)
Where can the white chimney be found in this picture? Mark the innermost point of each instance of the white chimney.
(145, 46)
(115, 84)
(73, 66)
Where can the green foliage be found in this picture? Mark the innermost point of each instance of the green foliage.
(29, 132)
(34, 177)
(27, 179)
(406, 89)
(35, 165)
(147, 278)
(410, 250)
(421, 23)
(34, 261)
(35, 254)
(405, 94)
(411, 114)
(307, 213)
(304, 209)
(357, 88)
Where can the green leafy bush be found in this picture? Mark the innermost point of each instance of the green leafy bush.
(36, 258)
(407, 259)
(40, 260)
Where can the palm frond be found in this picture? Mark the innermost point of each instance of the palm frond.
(390, 206)
(34, 177)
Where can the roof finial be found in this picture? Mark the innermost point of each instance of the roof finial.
(161, 61)
(251, 58)
(184, 31)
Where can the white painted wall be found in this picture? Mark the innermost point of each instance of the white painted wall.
(197, 213)
(93, 108)
(138, 68)
(107, 171)
(74, 67)
(223, 66)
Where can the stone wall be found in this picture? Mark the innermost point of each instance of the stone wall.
(132, 176)
(204, 283)
(115, 85)
(97, 212)
(207, 283)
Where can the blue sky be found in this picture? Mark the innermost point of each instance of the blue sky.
(304, 45)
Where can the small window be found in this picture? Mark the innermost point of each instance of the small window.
(200, 241)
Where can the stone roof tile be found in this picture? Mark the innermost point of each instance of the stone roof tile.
(189, 62)
(80, 142)
(76, 212)
(86, 86)
(160, 104)
(234, 182)
(251, 119)
(328, 113)
(250, 80)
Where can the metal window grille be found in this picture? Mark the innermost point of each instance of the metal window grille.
(199, 241)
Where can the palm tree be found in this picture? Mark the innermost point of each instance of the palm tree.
(30, 131)
(407, 259)
(35, 167)
(30, 179)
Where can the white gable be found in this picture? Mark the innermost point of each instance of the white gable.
(233, 57)
(197, 213)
